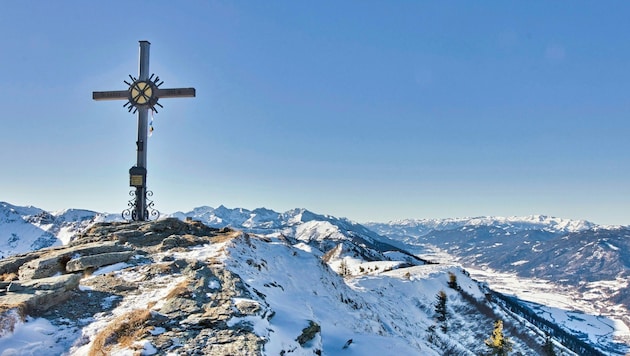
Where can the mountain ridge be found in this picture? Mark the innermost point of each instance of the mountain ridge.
(419, 227)
(338, 241)
(180, 286)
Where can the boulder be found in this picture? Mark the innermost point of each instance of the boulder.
(54, 262)
(39, 295)
(63, 282)
(42, 267)
(13, 263)
(99, 260)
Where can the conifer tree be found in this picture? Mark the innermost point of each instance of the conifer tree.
(499, 345)
(440, 310)
(344, 270)
(452, 281)
(548, 347)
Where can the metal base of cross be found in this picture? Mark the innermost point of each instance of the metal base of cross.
(131, 213)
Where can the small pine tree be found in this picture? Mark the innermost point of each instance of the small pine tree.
(499, 345)
(452, 281)
(344, 270)
(441, 313)
(431, 334)
(548, 347)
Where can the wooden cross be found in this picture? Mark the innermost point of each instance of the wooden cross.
(142, 95)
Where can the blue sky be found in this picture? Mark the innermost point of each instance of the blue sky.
(371, 110)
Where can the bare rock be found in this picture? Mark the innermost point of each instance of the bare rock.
(99, 260)
(39, 295)
(63, 282)
(43, 267)
(13, 263)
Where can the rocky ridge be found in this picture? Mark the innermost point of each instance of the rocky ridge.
(187, 311)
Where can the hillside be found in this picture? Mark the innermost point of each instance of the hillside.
(575, 266)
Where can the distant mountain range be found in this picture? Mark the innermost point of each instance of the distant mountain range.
(24, 229)
(301, 225)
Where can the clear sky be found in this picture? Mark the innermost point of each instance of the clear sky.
(371, 110)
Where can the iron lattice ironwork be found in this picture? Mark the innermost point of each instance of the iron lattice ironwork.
(131, 213)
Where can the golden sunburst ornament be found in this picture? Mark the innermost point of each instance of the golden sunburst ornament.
(143, 93)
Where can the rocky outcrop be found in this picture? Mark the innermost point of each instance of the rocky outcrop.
(194, 302)
(94, 261)
(38, 295)
(36, 281)
(54, 262)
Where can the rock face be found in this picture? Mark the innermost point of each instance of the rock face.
(191, 305)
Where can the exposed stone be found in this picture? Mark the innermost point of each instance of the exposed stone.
(15, 287)
(62, 282)
(13, 263)
(180, 305)
(308, 333)
(226, 342)
(39, 295)
(54, 262)
(185, 240)
(193, 318)
(43, 267)
(248, 307)
(109, 283)
(95, 261)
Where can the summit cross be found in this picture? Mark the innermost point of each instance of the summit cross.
(142, 95)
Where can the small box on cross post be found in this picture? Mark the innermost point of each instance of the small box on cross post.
(137, 177)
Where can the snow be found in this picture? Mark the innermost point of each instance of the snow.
(157, 331)
(147, 348)
(110, 268)
(518, 263)
(612, 247)
(34, 336)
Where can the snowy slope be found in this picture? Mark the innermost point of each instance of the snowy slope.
(383, 310)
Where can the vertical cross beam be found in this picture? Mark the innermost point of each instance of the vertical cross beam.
(143, 95)
(143, 129)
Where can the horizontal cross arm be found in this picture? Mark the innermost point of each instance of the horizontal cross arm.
(176, 93)
(111, 95)
(160, 93)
